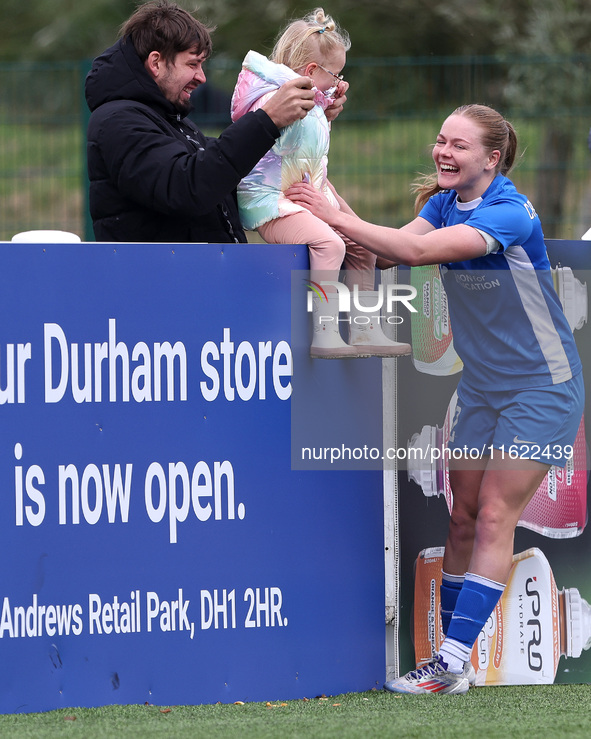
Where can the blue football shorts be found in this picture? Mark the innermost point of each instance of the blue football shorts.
(538, 423)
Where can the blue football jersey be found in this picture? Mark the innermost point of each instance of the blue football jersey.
(508, 325)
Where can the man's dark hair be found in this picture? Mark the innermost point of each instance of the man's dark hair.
(165, 27)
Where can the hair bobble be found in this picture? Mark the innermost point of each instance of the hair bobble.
(321, 30)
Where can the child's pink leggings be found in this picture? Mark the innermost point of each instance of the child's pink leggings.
(329, 251)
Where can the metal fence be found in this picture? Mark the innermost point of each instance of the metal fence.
(379, 145)
(42, 157)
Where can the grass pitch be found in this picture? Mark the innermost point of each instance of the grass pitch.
(539, 711)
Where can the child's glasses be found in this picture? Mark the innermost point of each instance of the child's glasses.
(338, 77)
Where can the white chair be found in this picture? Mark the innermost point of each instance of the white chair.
(46, 237)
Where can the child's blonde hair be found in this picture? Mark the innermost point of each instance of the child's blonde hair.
(308, 39)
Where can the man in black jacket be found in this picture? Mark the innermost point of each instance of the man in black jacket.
(154, 177)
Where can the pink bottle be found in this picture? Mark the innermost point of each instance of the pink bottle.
(558, 508)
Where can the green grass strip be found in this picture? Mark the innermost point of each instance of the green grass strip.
(535, 711)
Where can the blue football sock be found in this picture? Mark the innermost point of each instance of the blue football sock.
(449, 591)
(475, 603)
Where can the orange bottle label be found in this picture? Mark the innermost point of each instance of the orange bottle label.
(520, 642)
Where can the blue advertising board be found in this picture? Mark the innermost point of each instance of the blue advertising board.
(156, 544)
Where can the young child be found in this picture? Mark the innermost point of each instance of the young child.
(315, 47)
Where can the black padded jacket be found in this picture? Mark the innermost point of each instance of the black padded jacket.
(154, 177)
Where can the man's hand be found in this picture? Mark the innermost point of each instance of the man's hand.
(341, 98)
(292, 101)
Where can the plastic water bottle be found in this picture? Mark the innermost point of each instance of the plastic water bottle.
(431, 336)
(573, 296)
(532, 627)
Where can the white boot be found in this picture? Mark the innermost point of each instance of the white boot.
(327, 342)
(365, 330)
